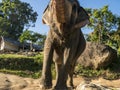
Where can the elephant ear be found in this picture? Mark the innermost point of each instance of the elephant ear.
(46, 16)
(47, 19)
(82, 19)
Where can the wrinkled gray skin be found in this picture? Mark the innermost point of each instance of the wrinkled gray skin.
(65, 41)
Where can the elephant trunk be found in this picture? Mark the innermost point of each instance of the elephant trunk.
(59, 7)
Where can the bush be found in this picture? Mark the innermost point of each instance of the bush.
(19, 62)
(21, 65)
(111, 73)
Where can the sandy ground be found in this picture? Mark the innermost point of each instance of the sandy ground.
(13, 82)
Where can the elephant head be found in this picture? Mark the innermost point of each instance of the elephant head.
(65, 12)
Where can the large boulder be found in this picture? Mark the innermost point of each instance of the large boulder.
(97, 56)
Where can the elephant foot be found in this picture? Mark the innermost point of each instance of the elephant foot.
(71, 85)
(60, 88)
(45, 84)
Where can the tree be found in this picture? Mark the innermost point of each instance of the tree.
(1, 14)
(4, 26)
(103, 21)
(19, 15)
(32, 38)
(115, 42)
(41, 41)
(26, 35)
(106, 27)
(38, 39)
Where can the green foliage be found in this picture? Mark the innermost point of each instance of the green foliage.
(32, 37)
(39, 58)
(32, 67)
(4, 26)
(40, 41)
(119, 51)
(103, 21)
(26, 35)
(16, 63)
(106, 27)
(88, 72)
(22, 73)
(110, 73)
(115, 35)
(19, 15)
(21, 65)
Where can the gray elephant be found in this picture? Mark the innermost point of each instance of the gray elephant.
(65, 41)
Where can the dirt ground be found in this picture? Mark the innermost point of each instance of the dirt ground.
(13, 82)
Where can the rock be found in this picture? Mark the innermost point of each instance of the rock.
(4, 83)
(97, 56)
(91, 86)
(12, 82)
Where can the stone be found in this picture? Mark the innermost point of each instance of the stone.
(97, 56)
(11, 82)
(4, 83)
(91, 86)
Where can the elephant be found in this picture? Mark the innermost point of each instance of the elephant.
(65, 41)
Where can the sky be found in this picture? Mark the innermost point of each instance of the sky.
(40, 5)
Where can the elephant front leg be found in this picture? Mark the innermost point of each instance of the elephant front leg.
(61, 83)
(61, 79)
(46, 78)
(71, 72)
(58, 66)
(58, 59)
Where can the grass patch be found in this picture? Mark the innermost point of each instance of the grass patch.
(111, 72)
(21, 65)
(3, 56)
(108, 73)
(31, 67)
(79, 70)
(29, 74)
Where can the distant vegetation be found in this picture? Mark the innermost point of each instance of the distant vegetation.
(105, 26)
(32, 37)
(15, 17)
